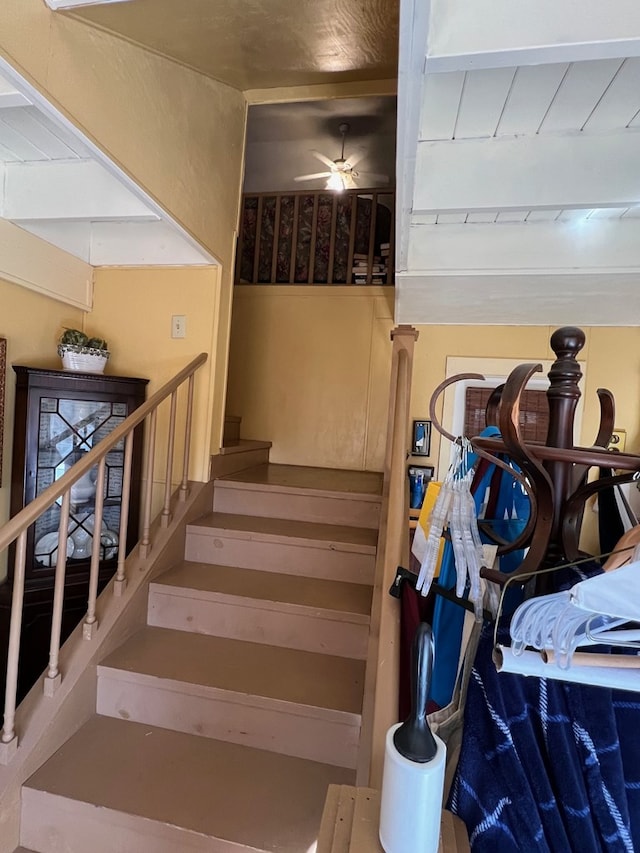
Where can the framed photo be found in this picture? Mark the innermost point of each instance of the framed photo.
(421, 441)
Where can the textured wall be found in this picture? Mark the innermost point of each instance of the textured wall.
(31, 324)
(178, 134)
(309, 370)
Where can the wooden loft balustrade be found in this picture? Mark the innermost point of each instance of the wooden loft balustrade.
(317, 237)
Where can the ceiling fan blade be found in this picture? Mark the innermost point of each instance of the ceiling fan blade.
(313, 177)
(323, 159)
(354, 159)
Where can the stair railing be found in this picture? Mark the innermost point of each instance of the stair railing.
(317, 237)
(15, 530)
(383, 667)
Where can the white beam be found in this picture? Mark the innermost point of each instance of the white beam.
(72, 236)
(414, 26)
(10, 96)
(143, 244)
(525, 300)
(611, 245)
(503, 173)
(67, 189)
(38, 100)
(74, 4)
(467, 34)
(32, 263)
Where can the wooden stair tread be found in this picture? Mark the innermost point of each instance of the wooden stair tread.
(296, 477)
(250, 796)
(338, 596)
(255, 527)
(273, 672)
(244, 446)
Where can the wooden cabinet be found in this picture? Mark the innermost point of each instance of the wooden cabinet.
(59, 416)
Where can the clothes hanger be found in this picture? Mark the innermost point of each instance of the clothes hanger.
(625, 547)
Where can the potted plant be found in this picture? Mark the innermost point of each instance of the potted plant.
(81, 353)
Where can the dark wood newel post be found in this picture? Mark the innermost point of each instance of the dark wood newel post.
(563, 395)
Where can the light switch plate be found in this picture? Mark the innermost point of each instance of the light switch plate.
(178, 326)
(618, 440)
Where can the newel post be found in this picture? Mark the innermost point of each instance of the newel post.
(382, 687)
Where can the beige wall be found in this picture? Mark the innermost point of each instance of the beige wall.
(307, 372)
(31, 323)
(178, 134)
(133, 310)
(310, 370)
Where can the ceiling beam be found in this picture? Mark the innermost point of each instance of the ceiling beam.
(512, 299)
(10, 96)
(67, 189)
(586, 245)
(74, 4)
(127, 244)
(506, 173)
(28, 261)
(474, 34)
(414, 27)
(134, 244)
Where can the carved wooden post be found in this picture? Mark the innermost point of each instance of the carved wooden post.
(563, 395)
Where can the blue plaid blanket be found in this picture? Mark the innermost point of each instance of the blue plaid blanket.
(547, 766)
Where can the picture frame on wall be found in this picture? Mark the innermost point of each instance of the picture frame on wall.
(421, 438)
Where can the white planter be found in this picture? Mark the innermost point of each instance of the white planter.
(82, 359)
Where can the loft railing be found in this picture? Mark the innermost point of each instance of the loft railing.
(15, 530)
(317, 237)
(383, 660)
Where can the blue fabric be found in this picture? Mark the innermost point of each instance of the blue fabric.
(448, 617)
(546, 766)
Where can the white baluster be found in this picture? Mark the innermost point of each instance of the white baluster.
(184, 488)
(166, 509)
(9, 739)
(91, 623)
(53, 677)
(145, 541)
(120, 582)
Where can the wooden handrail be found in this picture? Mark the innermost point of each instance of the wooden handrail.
(12, 529)
(16, 528)
(383, 663)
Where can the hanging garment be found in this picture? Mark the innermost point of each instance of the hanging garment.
(545, 766)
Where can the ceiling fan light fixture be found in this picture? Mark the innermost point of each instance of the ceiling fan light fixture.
(336, 182)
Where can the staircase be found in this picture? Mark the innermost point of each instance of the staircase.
(220, 725)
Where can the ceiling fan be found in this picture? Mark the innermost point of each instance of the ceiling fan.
(341, 173)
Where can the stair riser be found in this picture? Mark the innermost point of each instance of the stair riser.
(242, 620)
(246, 720)
(215, 547)
(270, 503)
(53, 824)
(222, 465)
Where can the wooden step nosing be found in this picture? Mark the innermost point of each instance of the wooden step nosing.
(227, 482)
(245, 445)
(237, 600)
(280, 539)
(149, 828)
(231, 697)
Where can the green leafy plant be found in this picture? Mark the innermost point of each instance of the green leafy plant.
(76, 338)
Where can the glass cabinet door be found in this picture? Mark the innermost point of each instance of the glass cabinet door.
(68, 429)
